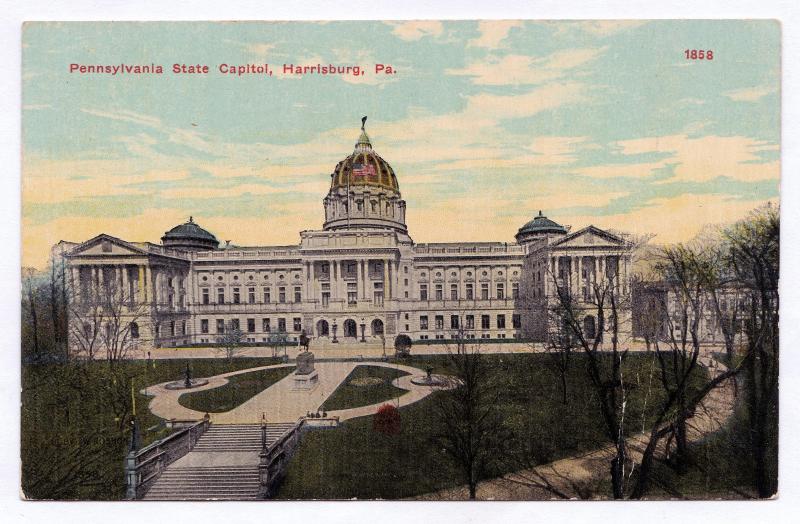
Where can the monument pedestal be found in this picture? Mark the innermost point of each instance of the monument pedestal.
(306, 382)
(305, 377)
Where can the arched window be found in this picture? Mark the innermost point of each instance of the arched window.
(134, 330)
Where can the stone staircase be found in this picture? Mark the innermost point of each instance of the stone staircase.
(223, 465)
(238, 437)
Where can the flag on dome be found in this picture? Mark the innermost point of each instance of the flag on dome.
(362, 170)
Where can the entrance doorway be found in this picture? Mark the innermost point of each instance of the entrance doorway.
(377, 327)
(322, 328)
(350, 329)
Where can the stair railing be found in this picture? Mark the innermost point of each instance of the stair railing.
(143, 467)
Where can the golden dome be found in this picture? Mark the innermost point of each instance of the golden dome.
(364, 167)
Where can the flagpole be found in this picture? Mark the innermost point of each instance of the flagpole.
(349, 172)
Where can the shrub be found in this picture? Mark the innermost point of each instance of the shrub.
(387, 420)
(402, 345)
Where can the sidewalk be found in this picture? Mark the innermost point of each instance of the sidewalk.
(281, 402)
(352, 351)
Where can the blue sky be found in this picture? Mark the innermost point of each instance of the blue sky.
(485, 123)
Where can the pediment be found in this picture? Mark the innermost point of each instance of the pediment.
(590, 236)
(106, 245)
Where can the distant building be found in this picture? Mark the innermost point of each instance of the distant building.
(360, 276)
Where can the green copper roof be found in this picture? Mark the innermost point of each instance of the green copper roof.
(542, 224)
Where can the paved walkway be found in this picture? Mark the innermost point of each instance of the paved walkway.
(324, 350)
(281, 402)
(579, 475)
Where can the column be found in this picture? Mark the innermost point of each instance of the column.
(508, 292)
(601, 269)
(127, 296)
(363, 268)
(76, 282)
(140, 297)
(392, 272)
(335, 277)
(360, 280)
(396, 278)
(117, 287)
(387, 291)
(311, 294)
(148, 284)
(578, 271)
(100, 284)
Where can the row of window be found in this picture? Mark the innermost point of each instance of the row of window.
(470, 336)
(500, 291)
(266, 325)
(236, 295)
(469, 322)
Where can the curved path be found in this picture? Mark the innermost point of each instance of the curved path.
(281, 402)
(579, 476)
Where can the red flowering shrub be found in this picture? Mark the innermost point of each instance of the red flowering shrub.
(387, 420)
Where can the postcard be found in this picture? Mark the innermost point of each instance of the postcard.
(405, 260)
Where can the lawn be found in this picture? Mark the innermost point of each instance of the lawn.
(76, 421)
(354, 461)
(365, 385)
(239, 389)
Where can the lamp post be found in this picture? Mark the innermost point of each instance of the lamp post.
(334, 326)
(363, 328)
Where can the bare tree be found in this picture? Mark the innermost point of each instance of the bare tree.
(230, 342)
(604, 367)
(470, 429)
(754, 256)
(105, 318)
(278, 342)
(560, 345)
(684, 271)
(28, 275)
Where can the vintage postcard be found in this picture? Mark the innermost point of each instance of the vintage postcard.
(408, 260)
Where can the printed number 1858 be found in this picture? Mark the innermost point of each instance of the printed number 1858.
(699, 54)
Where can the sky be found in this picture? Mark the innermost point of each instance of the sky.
(485, 124)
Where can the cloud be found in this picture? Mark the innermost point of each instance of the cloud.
(493, 32)
(673, 219)
(527, 104)
(469, 218)
(522, 69)
(416, 29)
(750, 94)
(260, 49)
(544, 151)
(597, 28)
(708, 157)
(124, 115)
(54, 181)
(635, 170)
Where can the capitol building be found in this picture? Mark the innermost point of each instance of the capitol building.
(360, 277)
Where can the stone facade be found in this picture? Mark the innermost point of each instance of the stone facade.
(360, 276)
